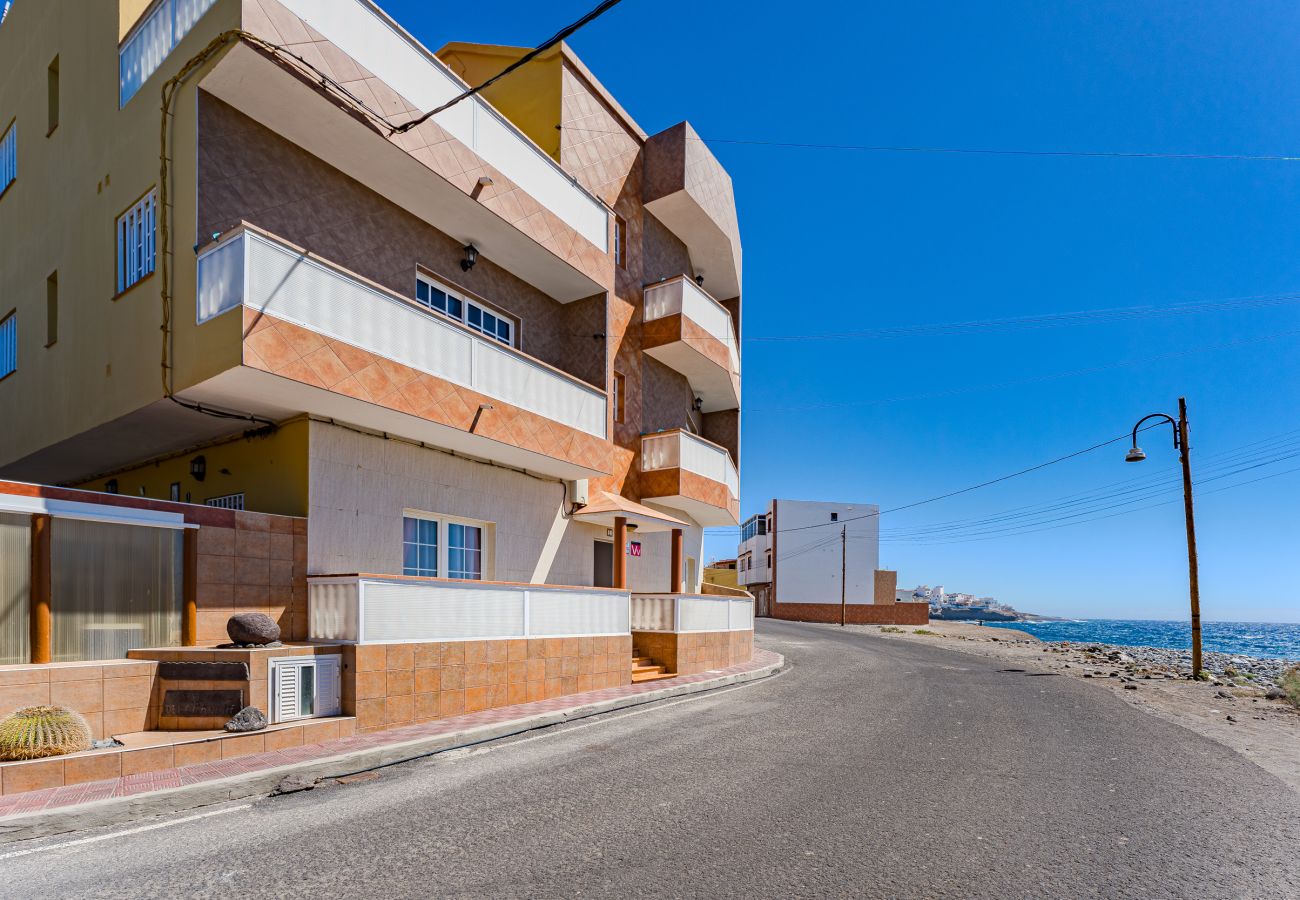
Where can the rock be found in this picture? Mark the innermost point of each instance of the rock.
(1232, 719)
(1130, 687)
(1224, 695)
(252, 628)
(1275, 693)
(292, 784)
(250, 718)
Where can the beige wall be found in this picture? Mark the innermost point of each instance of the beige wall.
(59, 216)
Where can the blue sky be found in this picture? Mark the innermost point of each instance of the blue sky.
(842, 241)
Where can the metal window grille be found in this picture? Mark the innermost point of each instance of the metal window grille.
(135, 242)
(8, 157)
(227, 501)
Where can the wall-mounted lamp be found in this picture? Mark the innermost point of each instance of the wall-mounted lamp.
(485, 181)
(699, 279)
(631, 527)
(698, 404)
(199, 468)
(471, 257)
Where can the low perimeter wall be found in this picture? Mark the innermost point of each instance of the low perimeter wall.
(855, 613)
(693, 652)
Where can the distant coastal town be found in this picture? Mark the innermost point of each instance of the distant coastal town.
(960, 607)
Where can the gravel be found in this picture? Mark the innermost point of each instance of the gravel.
(1230, 668)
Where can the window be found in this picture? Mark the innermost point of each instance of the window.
(52, 96)
(620, 242)
(486, 322)
(619, 388)
(227, 501)
(52, 309)
(135, 243)
(303, 687)
(152, 40)
(9, 345)
(835, 517)
(8, 157)
(420, 547)
(174, 492)
(435, 546)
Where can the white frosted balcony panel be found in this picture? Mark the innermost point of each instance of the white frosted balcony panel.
(333, 611)
(702, 614)
(500, 373)
(742, 615)
(569, 613)
(411, 611)
(221, 280)
(682, 296)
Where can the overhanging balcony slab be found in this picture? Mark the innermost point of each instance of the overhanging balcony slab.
(268, 93)
(692, 333)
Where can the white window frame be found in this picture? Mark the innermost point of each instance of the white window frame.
(325, 703)
(226, 501)
(9, 156)
(137, 236)
(488, 551)
(8, 344)
(466, 305)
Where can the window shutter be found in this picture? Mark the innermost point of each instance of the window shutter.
(286, 692)
(327, 685)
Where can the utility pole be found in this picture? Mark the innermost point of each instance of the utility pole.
(1193, 579)
(1183, 446)
(844, 570)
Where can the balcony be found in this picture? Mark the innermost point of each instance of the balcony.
(694, 334)
(756, 575)
(528, 217)
(683, 471)
(365, 609)
(317, 338)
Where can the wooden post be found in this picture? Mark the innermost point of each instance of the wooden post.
(844, 573)
(190, 589)
(675, 580)
(40, 589)
(620, 553)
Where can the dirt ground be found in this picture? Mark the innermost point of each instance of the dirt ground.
(1267, 732)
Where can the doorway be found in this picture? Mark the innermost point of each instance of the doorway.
(603, 564)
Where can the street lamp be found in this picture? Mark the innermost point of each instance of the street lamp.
(1135, 454)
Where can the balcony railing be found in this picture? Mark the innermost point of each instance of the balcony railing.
(691, 612)
(681, 296)
(756, 575)
(264, 273)
(367, 609)
(364, 32)
(683, 450)
(152, 40)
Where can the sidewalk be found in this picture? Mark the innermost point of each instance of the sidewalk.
(56, 810)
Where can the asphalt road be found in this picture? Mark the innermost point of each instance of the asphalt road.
(871, 768)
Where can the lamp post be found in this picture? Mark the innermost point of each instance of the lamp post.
(1135, 454)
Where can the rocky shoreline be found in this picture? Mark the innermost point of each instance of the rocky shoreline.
(1228, 668)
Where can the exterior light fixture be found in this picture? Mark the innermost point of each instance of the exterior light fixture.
(471, 257)
(698, 404)
(485, 181)
(631, 527)
(1135, 455)
(485, 406)
(699, 279)
(199, 468)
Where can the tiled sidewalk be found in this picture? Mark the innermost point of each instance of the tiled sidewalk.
(128, 785)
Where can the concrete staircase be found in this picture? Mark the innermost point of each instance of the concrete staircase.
(646, 669)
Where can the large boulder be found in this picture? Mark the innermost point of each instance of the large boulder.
(250, 718)
(252, 628)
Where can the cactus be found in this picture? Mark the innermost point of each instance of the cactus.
(39, 731)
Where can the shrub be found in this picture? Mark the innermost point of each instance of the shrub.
(890, 629)
(1290, 684)
(39, 731)
(926, 631)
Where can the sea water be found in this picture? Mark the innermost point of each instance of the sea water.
(1269, 640)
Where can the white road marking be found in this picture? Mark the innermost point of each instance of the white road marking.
(124, 833)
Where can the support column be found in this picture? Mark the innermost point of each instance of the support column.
(675, 580)
(40, 589)
(190, 589)
(620, 552)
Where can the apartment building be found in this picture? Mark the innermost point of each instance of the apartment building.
(820, 562)
(497, 347)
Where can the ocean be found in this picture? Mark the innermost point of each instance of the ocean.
(1269, 640)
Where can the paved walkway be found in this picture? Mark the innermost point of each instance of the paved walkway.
(130, 785)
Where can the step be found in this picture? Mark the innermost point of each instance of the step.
(642, 661)
(638, 678)
(651, 669)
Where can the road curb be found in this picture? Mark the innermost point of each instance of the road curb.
(121, 810)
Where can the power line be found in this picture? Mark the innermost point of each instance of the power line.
(528, 57)
(979, 151)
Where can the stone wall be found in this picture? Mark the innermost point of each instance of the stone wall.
(856, 614)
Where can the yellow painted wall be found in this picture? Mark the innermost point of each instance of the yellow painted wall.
(128, 13)
(59, 215)
(270, 471)
(723, 577)
(528, 97)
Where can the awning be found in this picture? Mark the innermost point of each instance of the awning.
(605, 507)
